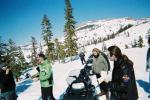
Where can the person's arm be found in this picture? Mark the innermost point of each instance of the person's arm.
(147, 59)
(0, 83)
(106, 64)
(46, 73)
(1, 78)
(125, 82)
(103, 76)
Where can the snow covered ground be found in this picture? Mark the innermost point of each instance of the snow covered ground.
(29, 90)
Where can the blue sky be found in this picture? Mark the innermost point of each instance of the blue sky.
(21, 19)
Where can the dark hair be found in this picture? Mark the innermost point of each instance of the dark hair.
(148, 40)
(114, 50)
(42, 55)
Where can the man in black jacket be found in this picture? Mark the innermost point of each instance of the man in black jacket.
(7, 84)
(82, 55)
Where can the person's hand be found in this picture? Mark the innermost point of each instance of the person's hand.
(35, 79)
(125, 77)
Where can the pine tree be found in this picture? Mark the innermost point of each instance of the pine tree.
(21, 58)
(134, 43)
(59, 50)
(41, 48)
(34, 51)
(11, 53)
(47, 36)
(140, 42)
(12, 58)
(3, 49)
(69, 29)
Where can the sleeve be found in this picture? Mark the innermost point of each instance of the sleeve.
(148, 54)
(106, 64)
(124, 83)
(1, 78)
(45, 73)
(0, 82)
(148, 58)
(103, 76)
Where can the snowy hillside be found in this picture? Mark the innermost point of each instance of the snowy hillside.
(93, 30)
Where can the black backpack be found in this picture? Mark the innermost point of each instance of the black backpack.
(105, 56)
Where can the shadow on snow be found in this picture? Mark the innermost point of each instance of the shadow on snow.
(21, 87)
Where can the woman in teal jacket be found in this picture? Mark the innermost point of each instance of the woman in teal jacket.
(45, 77)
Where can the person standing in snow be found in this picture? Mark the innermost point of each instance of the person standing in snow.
(7, 83)
(123, 84)
(82, 55)
(100, 68)
(45, 77)
(148, 62)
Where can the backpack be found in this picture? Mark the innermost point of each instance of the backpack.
(105, 56)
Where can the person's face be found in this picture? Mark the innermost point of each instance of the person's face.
(94, 53)
(40, 59)
(111, 57)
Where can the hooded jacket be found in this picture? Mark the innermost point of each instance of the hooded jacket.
(45, 74)
(120, 88)
(99, 64)
(7, 82)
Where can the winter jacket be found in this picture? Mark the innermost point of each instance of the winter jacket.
(7, 82)
(81, 55)
(99, 64)
(120, 88)
(45, 74)
(148, 59)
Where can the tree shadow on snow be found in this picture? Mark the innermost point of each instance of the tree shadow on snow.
(144, 85)
(21, 87)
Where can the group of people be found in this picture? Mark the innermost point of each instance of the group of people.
(8, 85)
(122, 86)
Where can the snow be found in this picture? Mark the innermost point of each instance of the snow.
(30, 90)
